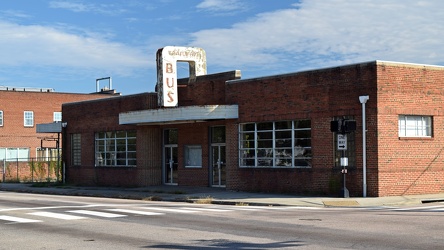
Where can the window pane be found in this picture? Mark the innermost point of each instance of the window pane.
(28, 118)
(414, 126)
(57, 116)
(248, 127)
(283, 125)
(170, 136)
(302, 124)
(218, 134)
(115, 148)
(265, 126)
(275, 144)
(193, 156)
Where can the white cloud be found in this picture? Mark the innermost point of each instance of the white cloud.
(76, 7)
(220, 5)
(48, 47)
(326, 33)
(108, 9)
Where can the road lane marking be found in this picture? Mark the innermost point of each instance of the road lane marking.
(17, 219)
(58, 215)
(134, 211)
(96, 213)
(169, 210)
(206, 209)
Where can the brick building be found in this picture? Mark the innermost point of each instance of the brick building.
(21, 110)
(270, 134)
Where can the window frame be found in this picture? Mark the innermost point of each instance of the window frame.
(76, 149)
(57, 116)
(1, 118)
(115, 148)
(415, 126)
(27, 119)
(193, 156)
(275, 144)
(16, 151)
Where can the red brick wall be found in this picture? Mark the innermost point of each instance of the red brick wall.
(206, 90)
(410, 165)
(394, 166)
(90, 117)
(316, 95)
(43, 104)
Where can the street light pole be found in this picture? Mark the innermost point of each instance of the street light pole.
(363, 100)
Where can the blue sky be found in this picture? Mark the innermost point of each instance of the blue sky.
(67, 44)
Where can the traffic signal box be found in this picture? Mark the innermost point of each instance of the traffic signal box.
(343, 126)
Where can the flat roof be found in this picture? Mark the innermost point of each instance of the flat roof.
(378, 62)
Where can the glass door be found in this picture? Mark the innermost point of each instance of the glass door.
(218, 165)
(170, 166)
(170, 160)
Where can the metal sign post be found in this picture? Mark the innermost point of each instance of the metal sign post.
(342, 128)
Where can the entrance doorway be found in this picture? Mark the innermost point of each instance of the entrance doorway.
(219, 165)
(170, 168)
(218, 157)
(170, 159)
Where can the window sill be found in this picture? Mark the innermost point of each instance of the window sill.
(428, 138)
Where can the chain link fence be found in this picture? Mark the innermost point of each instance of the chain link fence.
(31, 170)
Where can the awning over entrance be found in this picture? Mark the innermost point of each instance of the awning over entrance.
(185, 114)
(54, 127)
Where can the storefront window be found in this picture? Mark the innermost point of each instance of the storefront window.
(116, 148)
(283, 144)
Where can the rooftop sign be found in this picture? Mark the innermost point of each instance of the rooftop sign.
(167, 59)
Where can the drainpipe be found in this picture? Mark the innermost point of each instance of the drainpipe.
(363, 100)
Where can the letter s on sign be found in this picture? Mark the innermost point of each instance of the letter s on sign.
(170, 96)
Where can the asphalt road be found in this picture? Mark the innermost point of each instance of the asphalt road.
(34, 221)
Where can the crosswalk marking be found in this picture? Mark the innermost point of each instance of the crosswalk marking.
(173, 210)
(96, 213)
(134, 211)
(17, 219)
(57, 215)
(162, 210)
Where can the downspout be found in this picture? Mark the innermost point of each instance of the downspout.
(363, 100)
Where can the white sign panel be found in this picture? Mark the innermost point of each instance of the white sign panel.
(342, 142)
(167, 59)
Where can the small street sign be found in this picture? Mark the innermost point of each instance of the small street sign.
(342, 142)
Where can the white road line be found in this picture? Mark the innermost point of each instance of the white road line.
(96, 213)
(419, 208)
(206, 209)
(169, 210)
(44, 208)
(17, 219)
(134, 212)
(437, 209)
(276, 207)
(244, 208)
(57, 215)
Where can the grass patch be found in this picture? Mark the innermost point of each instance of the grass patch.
(241, 204)
(152, 198)
(204, 200)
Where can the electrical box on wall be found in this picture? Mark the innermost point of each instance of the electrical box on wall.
(343, 126)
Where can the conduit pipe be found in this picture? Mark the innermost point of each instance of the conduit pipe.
(363, 100)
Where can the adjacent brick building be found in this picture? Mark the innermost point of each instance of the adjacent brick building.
(270, 134)
(21, 110)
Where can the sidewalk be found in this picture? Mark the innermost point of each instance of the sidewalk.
(220, 196)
